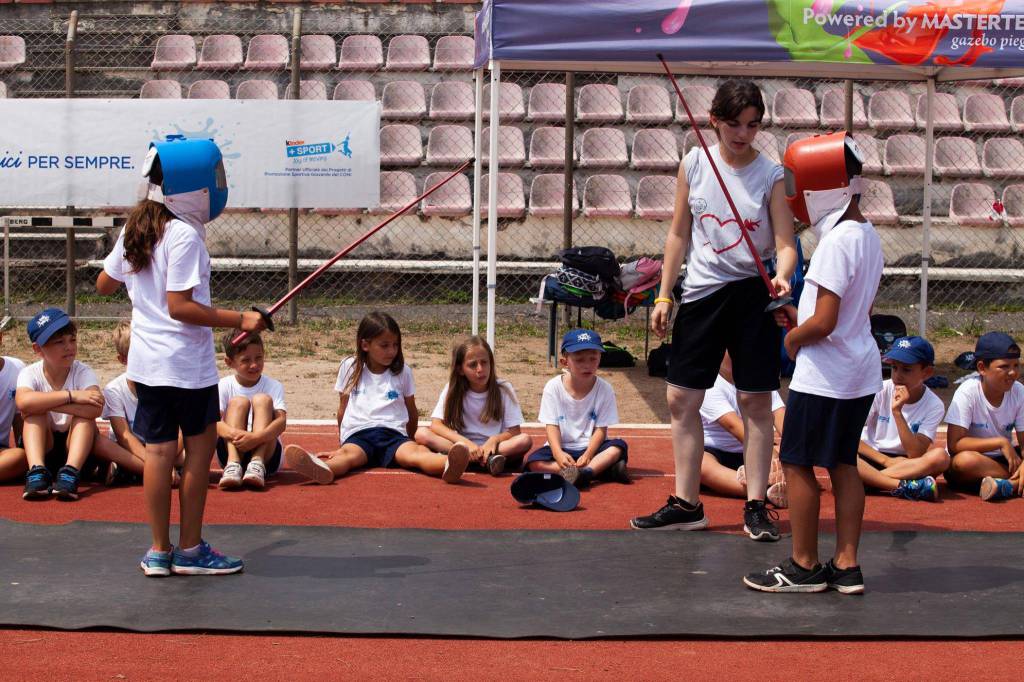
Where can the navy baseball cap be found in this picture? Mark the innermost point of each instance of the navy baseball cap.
(581, 339)
(911, 350)
(550, 491)
(47, 323)
(996, 346)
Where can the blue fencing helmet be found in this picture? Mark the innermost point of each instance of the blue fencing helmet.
(187, 176)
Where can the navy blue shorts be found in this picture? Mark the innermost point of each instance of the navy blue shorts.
(380, 445)
(163, 410)
(732, 460)
(273, 464)
(544, 453)
(822, 432)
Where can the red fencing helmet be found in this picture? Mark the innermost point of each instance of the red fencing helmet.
(822, 176)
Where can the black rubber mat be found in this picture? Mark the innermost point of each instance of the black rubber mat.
(506, 584)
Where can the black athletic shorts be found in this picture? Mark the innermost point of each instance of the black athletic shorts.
(731, 460)
(163, 410)
(822, 432)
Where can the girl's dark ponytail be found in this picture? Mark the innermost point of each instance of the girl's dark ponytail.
(143, 231)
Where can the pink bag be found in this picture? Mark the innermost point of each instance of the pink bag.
(638, 278)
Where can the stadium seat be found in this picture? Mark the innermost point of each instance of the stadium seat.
(454, 200)
(400, 145)
(710, 139)
(318, 52)
(209, 89)
(256, 89)
(794, 108)
(403, 101)
(607, 196)
(648, 104)
(454, 53)
(904, 155)
(511, 196)
(985, 113)
(833, 109)
(397, 188)
(877, 204)
(510, 104)
(603, 148)
(1003, 157)
(408, 53)
(308, 90)
(547, 196)
(946, 117)
(220, 53)
(956, 157)
(1009, 82)
(267, 52)
(767, 144)
(698, 98)
(890, 110)
(794, 137)
(871, 148)
(449, 145)
(511, 147)
(655, 149)
(173, 53)
(355, 90)
(656, 197)
(1013, 205)
(3, 90)
(361, 53)
(598, 103)
(547, 103)
(972, 203)
(1017, 113)
(452, 101)
(160, 89)
(547, 148)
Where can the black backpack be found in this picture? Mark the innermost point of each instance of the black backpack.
(597, 260)
(616, 356)
(886, 329)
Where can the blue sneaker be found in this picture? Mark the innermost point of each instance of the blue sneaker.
(37, 483)
(925, 489)
(996, 489)
(66, 485)
(207, 561)
(156, 563)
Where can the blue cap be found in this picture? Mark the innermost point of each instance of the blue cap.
(550, 491)
(996, 346)
(46, 324)
(911, 350)
(581, 339)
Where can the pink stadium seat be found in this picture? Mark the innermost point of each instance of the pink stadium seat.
(403, 101)
(547, 148)
(655, 149)
(454, 53)
(220, 53)
(397, 188)
(361, 53)
(267, 52)
(452, 101)
(408, 53)
(656, 197)
(946, 117)
(598, 103)
(308, 90)
(871, 149)
(698, 98)
(449, 145)
(794, 108)
(833, 109)
(607, 196)
(511, 147)
(972, 203)
(956, 157)
(318, 52)
(12, 52)
(547, 196)
(355, 90)
(877, 203)
(767, 144)
(603, 148)
(256, 89)
(173, 52)
(400, 145)
(904, 155)
(795, 137)
(1003, 157)
(1017, 113)
(510, 106)
(547, 103)
(1013, 205)
(985, 113)
(160, 89)
(890, 110)
(648, 104)
(209, 89)
(1009, 82)
(511, 197)
(3, 90)
(710, 138)
(454, 200)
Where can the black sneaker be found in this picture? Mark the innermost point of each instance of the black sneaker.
(496, 464)
(845, 580)
(758, 521)
(584, 478)
(788, 577)
(37, 483)
(66, 486)
(675, 515)
(617, 473)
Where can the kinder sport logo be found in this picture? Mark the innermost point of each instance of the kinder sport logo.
(300, 149)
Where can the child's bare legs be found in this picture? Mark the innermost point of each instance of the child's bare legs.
(237, 416)
(515, 448)
(848, 490)
(759, 436)
(965, 468)
(687, 440)
(429, 439)
(897, 469)
(13, 463)
(81, 435)
(720, 478)
(550, 467)
(109, 450)
(156, 488)
(38, 439)
(262, 415)
(412, 455)
(605, 459)
(344, 459)
(804, 502)
(195, 481)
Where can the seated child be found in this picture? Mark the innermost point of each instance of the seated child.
(377, 416)
(59, 399)
(477, 409)
(12, 458)
(982, 418)
(576, 409)
(253, 416)
(896, 452)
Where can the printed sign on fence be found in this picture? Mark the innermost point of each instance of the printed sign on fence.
(277, 153)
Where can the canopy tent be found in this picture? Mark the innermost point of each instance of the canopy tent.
(909, 40)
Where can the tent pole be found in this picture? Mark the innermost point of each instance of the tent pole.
(848, 105)
(478, 79)
(926, 209)
(569, 204)
(492, 201)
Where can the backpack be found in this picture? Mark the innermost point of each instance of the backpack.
(553, 290)
(640, 274)
(616, 356)
(657, 360)
(886, 329)
(578, 280)
(610, 308)
(596, 260)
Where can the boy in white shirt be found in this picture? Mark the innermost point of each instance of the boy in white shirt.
(12, 459)
(253, 416)
(896, 453)
(983, 416)
(576, 409)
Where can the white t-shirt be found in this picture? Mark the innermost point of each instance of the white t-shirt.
(845, 364)
(230, 388)
(377, 401)
(972, 410)
(719, 401)
(577, 419)
(717, 253)
(119, 401)
(80, 377)
(8, 385)
(164, 351)
(922, 417)
(473, 406)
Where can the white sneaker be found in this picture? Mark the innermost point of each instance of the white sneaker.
(308, 465)
(232, 476)
(255, 475)
(777, 495)
(455, 463)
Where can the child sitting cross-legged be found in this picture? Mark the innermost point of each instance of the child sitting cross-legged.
(12, 456)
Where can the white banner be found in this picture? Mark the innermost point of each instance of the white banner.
(277, 153)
